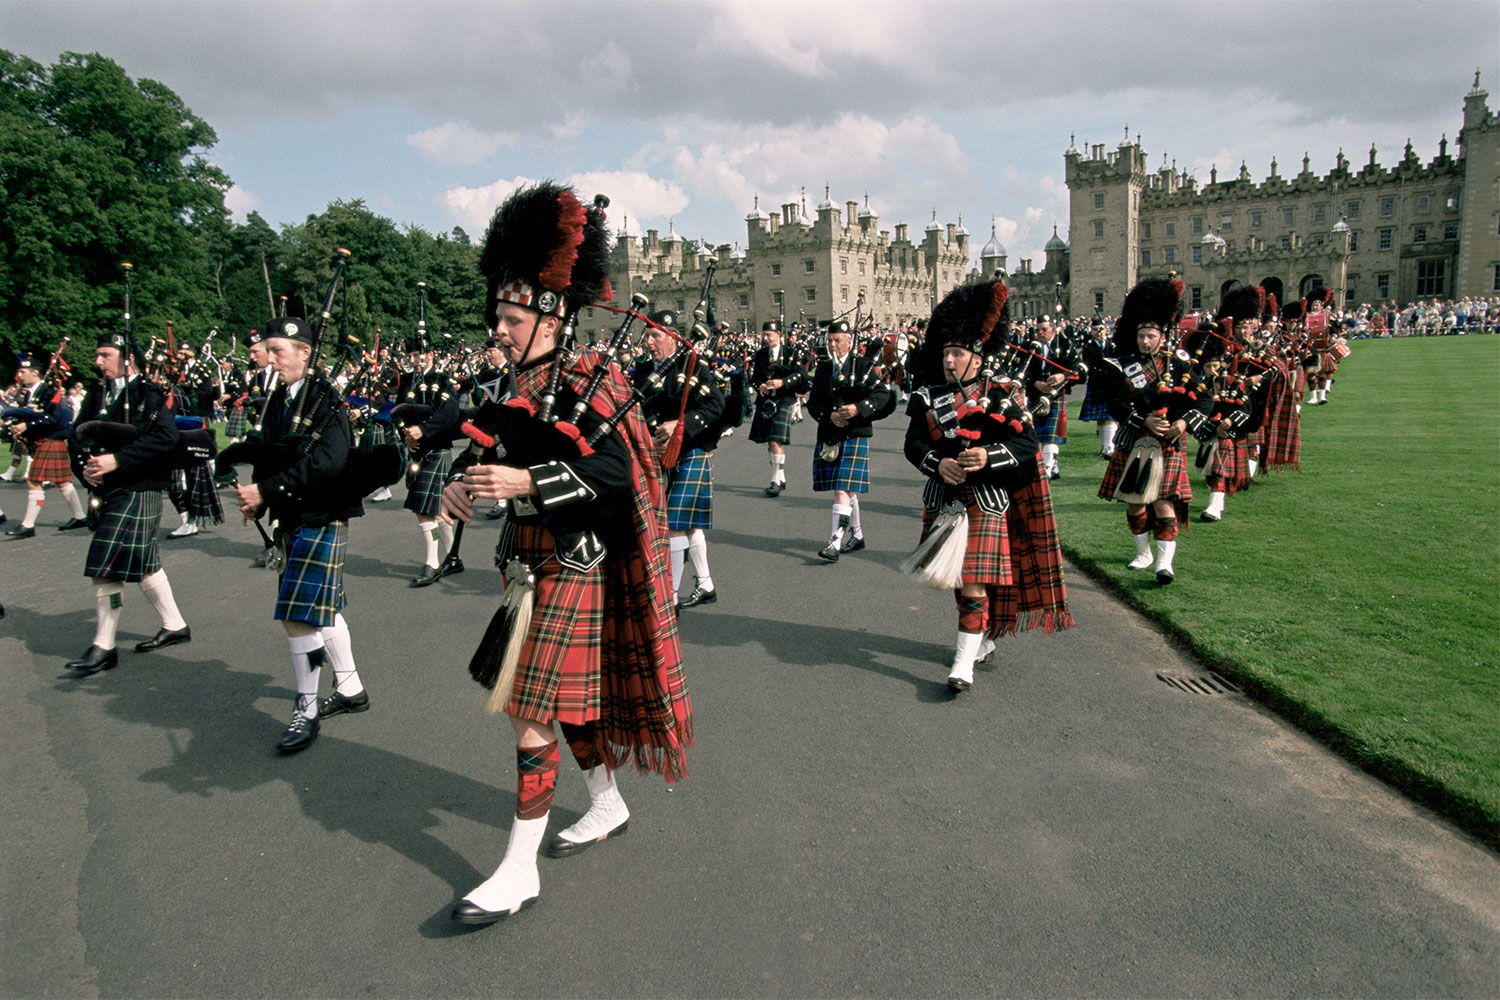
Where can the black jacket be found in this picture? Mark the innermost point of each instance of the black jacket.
(308, 490)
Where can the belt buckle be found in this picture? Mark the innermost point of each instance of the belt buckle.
(522, 507)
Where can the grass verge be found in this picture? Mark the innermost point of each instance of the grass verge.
(1359, 596)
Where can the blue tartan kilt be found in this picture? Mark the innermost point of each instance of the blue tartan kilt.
(312, 581)
(124, 546)
(1093, 409)
(772, 420)
(238, 422)
(1046, 427)
(690, 497)
(851, 473)
(424, 490)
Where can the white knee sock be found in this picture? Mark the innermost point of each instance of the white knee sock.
(341, 657)
(677, 546)
(698, 553)
(445, 533)
(778, 468)
(107, 603)
(307, 657)
(1049, 455)
(841, 515)
(34, 500)
(70, 494)
(429, 528)
(1106, 437)
(854, 525)
(158, 590)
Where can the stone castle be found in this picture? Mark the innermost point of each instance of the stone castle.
(1411, 231)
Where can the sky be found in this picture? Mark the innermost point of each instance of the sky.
(686, 112)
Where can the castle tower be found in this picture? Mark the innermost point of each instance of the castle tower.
(1104, 198)
(1479, 219)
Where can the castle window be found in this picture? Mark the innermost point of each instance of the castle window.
(1171, 229)
(1256, 218)
(887, 298)
(1450, 231)
(1226, 223)
(861, 267)
(1145, 230)
(812, 294)
(1419, 234)
(775, 270)
(1495, 284)
(1318, 240)
(1170, 255)
(1351, 210)
(1098, 228)
(1197, 225)
(1145, 258)
(807, 266)
(1430, 277)
(843, 293)
(1424, 204)
(1320, 213)
(1349, 285)
(1198, 255)
(1286, 243)
(1353, 241)
(1196, 300)
(744, 302)
(1383, 238)
(1451, 203)
(1382, 286)
(1098, 302)
(1387, 207)
(1288, 216)
(1098, 200)
(843, 265)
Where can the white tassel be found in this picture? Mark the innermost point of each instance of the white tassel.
(518, 602)
(938, 561)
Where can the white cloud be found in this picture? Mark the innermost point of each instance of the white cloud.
(632, 193)
(472, 207)
(240, 202)
(456, 143)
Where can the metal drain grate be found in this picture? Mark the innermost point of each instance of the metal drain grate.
(1209, 683)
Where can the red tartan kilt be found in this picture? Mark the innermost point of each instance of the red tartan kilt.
(987, 555)
(1329, 364)
(49, 463)
(558, 673)
(1231, 467)
(1174, 475)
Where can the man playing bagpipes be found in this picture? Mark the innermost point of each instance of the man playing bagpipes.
(429, 443)
(46, 437)
(683, 404)
(585, 636)
(126, 481)
(311, 504)
(972, 435)
(1147, 390)
(1051, 366)
(1237, 377)
(846, 397)
(777, 377)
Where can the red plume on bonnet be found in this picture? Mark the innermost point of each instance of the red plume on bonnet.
(999, 295)
(558, 274)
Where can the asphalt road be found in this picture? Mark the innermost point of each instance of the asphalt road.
(1073, 826)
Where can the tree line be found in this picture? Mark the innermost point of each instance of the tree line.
(97, 170)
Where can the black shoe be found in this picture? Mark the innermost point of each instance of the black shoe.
(830, 551)
(73, 522)
(557, 847)
(495, 512)
(299, 735)
(450, 566)
(94, 660)
(338, 704)
(21, 531)
(853, 543)
(165, 638)
(1054, 474)
(1164, 576)
(426, 578)
(465, 912)
(775, 489)
(699, 596)
(3, 519)
(1206, 516)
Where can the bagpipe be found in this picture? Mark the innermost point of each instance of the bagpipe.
(52, 392)
(364, 472)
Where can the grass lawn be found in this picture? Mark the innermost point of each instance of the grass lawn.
(1361, 596)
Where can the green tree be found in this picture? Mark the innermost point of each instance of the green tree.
(96, 170)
